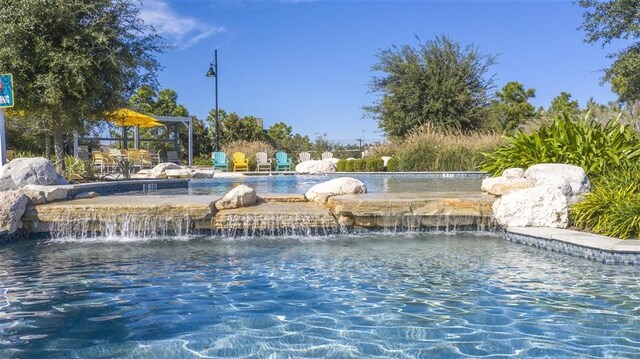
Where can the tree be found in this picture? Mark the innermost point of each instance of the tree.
(512, 107)
(605, 21)
(74, 60)
(438, 81)
(563, 104)
(281, 137)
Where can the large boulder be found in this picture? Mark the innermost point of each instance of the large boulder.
(556, 175)
(25, 171)
(12, 207)
(338, 186)
(317, 166)
(239, 196)
(532, 207)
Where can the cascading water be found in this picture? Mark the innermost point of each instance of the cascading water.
(105, 224)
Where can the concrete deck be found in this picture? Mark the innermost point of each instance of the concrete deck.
(581, 244)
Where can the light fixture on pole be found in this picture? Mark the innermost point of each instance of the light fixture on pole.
(213, 72)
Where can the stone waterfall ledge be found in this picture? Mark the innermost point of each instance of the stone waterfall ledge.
(580, 244)
(413, 211)
(276, 218)
(153, 214)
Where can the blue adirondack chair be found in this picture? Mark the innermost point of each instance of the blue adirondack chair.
(219, 161)
(283, 162)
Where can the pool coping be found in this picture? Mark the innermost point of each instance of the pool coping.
(121, 186)
(590, 246)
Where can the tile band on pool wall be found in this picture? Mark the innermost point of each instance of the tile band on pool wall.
(107, 188)
(593, 254)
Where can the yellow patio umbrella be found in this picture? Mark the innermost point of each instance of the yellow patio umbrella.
(125, 117)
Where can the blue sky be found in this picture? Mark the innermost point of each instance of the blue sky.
(307, 63)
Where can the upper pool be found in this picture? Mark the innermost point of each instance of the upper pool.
(299, 184)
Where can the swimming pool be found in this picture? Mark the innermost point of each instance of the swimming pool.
(299, 184)
(373, 295)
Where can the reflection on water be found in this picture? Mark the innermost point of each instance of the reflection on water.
(299, 184)
(410, 295)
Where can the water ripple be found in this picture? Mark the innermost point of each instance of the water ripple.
(382, 296)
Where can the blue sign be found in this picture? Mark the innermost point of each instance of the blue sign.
(6, 90)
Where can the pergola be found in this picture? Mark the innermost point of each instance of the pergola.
(137, 123)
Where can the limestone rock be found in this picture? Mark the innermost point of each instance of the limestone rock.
(24, 171)
(50, 193)
(499, 186)
(83, 195)
(555, 173)
(239, 196)
(179, 173)
(12, 207)
(317, 166)
(159, 170)
(532, 207)
(513, 173)
(337, 186)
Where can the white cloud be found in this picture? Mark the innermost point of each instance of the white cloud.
(181, 31)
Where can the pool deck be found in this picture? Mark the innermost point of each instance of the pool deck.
(580, 244)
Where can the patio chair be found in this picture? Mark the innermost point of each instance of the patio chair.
(304, 156)
(102, 161)
(240, 162)
(115, 153)
(283, 162)
(172, 156)
(327, 155)
(146, 161)
(220, 161)
(155, 159)
(263, 162)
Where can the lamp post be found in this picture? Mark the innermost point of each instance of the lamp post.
(213, 72)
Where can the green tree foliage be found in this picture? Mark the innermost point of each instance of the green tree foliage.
(234, 128)
(438, 82)
(75, 59)
(563, 104)
(606, 21)
(512, 107)
(281, 137)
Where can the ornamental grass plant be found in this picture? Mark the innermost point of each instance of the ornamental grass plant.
(431, 148)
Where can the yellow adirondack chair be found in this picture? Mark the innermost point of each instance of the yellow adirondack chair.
(240, 163)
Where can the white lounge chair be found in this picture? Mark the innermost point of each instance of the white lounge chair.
(304, 156)
(264, 163)
(326, 155)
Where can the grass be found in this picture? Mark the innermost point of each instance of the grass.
(430, 148)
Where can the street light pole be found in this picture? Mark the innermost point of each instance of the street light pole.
(213, 72)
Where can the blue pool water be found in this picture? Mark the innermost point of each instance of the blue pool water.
(299, 184)
(400, 296)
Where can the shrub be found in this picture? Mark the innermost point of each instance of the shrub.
(430, 148)
(358, 165)
(597, 148)
(373, 164)
(203, 160)
(612, 208)
(341, 166)
(392, 165)
(76, 169)
(348, 166)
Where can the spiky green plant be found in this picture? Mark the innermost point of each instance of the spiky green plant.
(596, 147)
